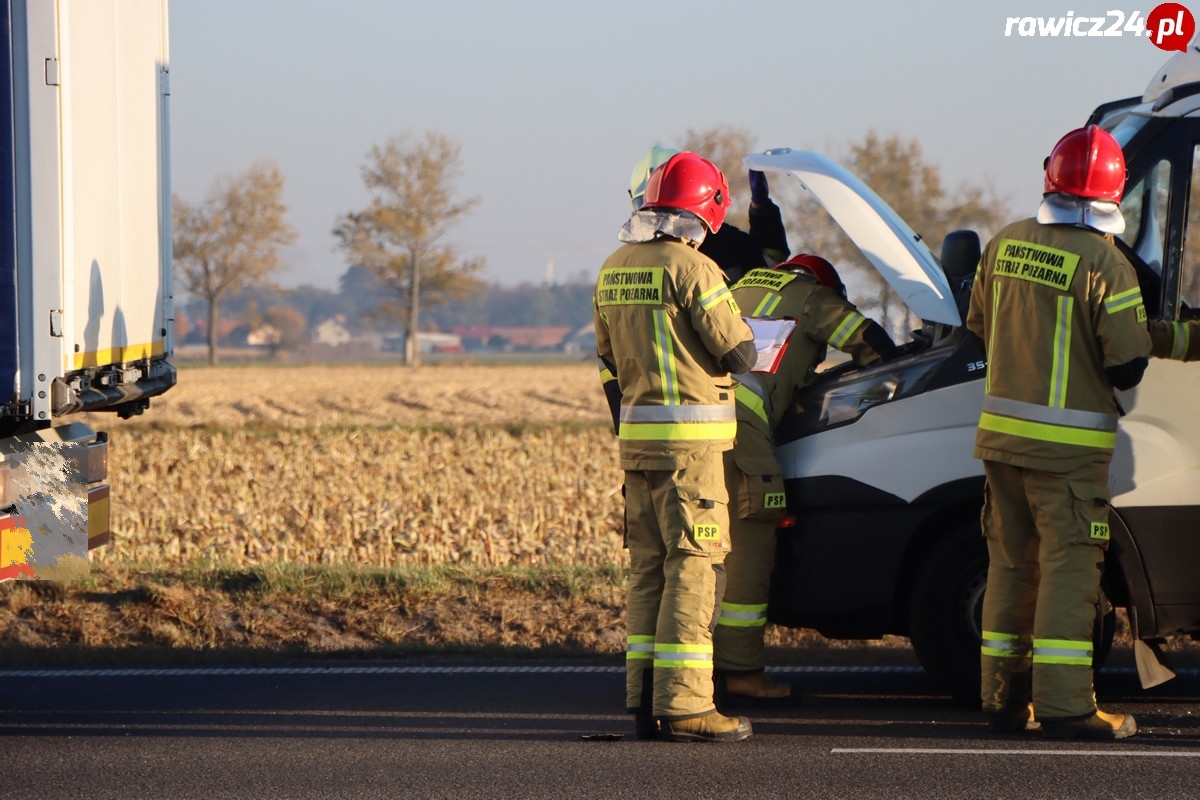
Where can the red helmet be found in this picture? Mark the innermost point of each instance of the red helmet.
(692, 183)
(1087, 162)
(819, 268)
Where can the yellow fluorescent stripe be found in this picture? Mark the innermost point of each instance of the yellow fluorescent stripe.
(666, 359)
(1000, 653)
(1124, 300)
(987, 378)
(751, 401)
(681, 431)
(130, 352)
(846, 329)
(768, 304)
(1060, 371)
(1182, 336)
(683, 648)
(1134, 292)
(660, 663)
(1047, 433)
(744, 607)
(1072, 660)
(714, 296)
(1082, 645)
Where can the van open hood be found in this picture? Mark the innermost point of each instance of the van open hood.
(883, 237)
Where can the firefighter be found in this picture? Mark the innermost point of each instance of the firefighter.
(1061, 317)
(807, 290)
(735, 251)
(670, 332)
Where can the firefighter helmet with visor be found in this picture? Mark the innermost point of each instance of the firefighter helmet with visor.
(692, 183)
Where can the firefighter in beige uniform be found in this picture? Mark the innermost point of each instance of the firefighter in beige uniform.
(1062, 319)
(806, 289)
(669, 330)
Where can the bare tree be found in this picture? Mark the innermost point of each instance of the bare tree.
(399, 237)
(231, 240)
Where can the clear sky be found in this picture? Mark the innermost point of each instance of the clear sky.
(553, 101)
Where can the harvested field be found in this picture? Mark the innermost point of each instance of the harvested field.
(327, 396)
(376, 466)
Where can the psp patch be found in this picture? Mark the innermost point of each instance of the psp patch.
(775, 500)
(1100, 531)
(706, 533)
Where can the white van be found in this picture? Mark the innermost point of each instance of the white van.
(878, 461)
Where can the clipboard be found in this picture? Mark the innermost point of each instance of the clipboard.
(771, 338)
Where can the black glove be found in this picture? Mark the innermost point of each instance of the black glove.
(759, 193)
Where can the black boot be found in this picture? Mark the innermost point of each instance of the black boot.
(645, 726)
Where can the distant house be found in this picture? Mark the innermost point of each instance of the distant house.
(581, 340)
(332, 333)
(430, 342)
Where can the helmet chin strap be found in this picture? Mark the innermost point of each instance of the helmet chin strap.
(1065, 209)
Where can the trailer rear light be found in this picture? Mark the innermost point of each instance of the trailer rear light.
(786, 521)
(95, 460)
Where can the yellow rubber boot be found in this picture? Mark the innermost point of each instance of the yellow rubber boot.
(756, 685)
(1100, 725)
(712, 727)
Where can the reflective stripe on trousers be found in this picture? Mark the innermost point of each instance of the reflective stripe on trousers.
(1062, 651)
(1004, 645)
(683, 656)
(743, 616)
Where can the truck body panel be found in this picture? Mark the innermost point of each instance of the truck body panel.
(86, 298)
(88, 174)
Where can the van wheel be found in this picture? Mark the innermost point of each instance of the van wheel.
(946, 612)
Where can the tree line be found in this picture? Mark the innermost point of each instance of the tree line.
(403, 270)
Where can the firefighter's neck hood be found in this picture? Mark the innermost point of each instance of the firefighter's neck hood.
(649, 224)
(1065, 209)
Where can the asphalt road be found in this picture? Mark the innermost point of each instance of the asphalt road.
(459, 729)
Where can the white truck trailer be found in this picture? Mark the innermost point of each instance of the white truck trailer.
(85, 234)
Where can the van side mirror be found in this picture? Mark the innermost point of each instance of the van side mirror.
(960, 257)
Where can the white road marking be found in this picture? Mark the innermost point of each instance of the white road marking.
(1102, 751)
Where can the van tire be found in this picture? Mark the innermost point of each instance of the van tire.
(946, 609)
